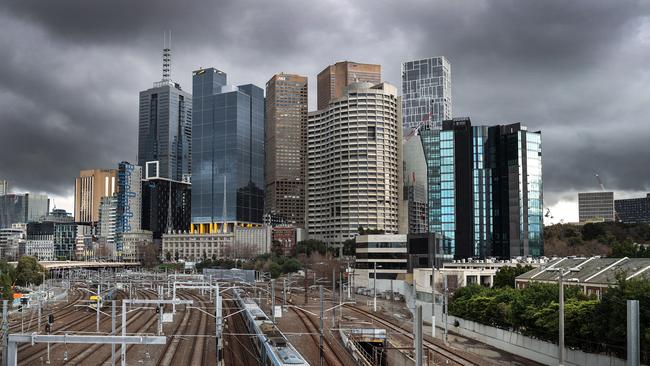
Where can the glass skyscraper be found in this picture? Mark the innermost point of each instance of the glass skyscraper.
(165, 129)
(466, 186)
(426, 93)
(227, 150)
(129, 202)
(516, 164)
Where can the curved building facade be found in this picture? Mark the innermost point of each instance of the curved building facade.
(355, 164)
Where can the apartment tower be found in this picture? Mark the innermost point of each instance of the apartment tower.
(355, 164)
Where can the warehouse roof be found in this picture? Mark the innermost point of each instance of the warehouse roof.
(593, 270)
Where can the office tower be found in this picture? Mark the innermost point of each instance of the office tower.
(165, 126)
(108, 221)
(228, 152)
(355, 164)
(64, 233)
(596, 206)
(484, 189)
(415, 185)
(129, 202)
(426, 93)
(4, 187)
(633, 210)
(38, 205)
(459, 187)
(515, 156)
(10, 240)
(22, 208)
(40, 241)
(166, 206)
(286, 147)
(334, 78)
(90, 187)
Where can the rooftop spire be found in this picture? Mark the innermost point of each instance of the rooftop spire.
(167, 55)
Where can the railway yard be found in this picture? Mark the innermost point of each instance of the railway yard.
(196, 320)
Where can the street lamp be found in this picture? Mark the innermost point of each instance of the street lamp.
(374, 292)
(560, 280)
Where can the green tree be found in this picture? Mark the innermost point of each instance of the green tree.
(7, 275)
(350, 247)
(176, 255)
(505, 276)
(29, 271)
(168, 256)
(291, 265)
(275, 270)
(625, 248)
(309, 246)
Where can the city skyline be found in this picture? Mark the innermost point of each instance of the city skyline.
(559, 82)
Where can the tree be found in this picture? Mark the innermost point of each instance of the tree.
(168, 256)
(7, 274)
(148, 254)
(29, 271)
(176, 255)
(311, 245)
(505, 276)
(350, 247)
(276, 248)
(623, 248)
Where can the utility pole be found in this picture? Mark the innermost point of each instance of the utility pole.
(284, 293)
(333, 297)
(633, 350)
(561, 281)
(433, 299)
(273, 300)
(5, 330)
(446, 307)
(113, 332)
(374, 291)
(219, 324)
(417, 329)
(98, 298)
(321, 325)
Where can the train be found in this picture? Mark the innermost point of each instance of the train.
(272, 345)
(104, 298)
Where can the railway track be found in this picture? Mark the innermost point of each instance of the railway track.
(239, 348)
(77, 321)
(190, 343)
(456, 357)
(331, 356)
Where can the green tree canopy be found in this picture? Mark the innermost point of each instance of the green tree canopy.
(505, 276)
(29, 271)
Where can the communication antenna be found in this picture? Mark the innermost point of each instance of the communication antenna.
(167, 55)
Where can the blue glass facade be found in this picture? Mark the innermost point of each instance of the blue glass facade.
(472, 199)
(227, 150)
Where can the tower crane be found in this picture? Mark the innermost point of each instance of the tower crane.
(600, 182)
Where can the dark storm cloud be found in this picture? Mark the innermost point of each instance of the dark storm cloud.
(71, 72)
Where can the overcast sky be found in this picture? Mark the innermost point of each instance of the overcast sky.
(71, 71)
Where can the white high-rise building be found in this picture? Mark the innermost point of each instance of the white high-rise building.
(426, 93)
(355, 164)
(4, 187)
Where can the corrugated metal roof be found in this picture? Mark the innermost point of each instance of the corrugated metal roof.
(594, 270)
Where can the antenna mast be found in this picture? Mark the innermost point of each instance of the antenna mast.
(167, 56)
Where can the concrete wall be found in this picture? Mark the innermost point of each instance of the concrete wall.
(516, 343)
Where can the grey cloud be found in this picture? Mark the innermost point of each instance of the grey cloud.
(575, 70)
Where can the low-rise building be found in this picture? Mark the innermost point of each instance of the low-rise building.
(633, 210)
(288, 237)
(230, 240)
(133, 241)
(596, 206)
(381, 257)
(593, 275)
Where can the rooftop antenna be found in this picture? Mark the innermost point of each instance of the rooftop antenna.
(167, 55)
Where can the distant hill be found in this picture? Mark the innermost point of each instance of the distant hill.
(603, 238)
